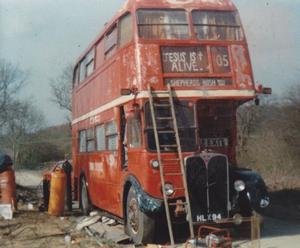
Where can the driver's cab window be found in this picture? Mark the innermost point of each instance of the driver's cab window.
(134, 130)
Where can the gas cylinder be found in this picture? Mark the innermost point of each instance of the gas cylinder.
(57, 192)
(8, 188)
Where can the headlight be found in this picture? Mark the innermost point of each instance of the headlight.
(237, 219)
(265, 202)
(155, 164)
(169, 189)
(239, 185)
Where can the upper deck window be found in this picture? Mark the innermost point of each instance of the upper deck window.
(87, 65)
(163, 24)
(76, 76)
(217, 25)
(110, 41)
(125, 30)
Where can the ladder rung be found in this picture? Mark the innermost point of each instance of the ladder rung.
(179, 188)
(173, 174)
(162, 105)
(179, 203)
(170, 159)
(164, 118)
(166, 131)
(160, 92)
(173, 146)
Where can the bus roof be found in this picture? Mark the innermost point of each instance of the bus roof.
(133, 5)
(211, 4)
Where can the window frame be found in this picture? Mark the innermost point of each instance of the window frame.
(128, 130)
(90, 60)
(80, 142)
(108, 135)
(149, 128)
(235, 26)
(113, 29)
(130, 15)
(76, 75)
(189, 34)
(90, 139)
(104, 137)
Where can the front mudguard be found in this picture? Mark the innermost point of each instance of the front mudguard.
(147, 204)
(256, 189)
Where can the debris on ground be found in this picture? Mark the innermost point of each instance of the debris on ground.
(6, 211)
(105, 231)
(34, 229)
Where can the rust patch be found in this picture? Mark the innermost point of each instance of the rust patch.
(242, 67)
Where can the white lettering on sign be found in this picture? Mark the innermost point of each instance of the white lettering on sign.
(194, 82)
(222, 60)
(215, 142)
(209, 217)
(184, 59)
(183, 62)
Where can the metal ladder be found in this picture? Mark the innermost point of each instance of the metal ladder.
(169, 104)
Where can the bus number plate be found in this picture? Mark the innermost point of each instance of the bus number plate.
(209, 217)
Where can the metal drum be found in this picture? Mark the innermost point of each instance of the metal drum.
(8, 188)
(57, 192)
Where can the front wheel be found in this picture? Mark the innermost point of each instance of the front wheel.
(85, 204)
(139, 226)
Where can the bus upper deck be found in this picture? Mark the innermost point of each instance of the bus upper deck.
(196, 46)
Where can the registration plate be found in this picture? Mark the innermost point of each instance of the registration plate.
(208, 217)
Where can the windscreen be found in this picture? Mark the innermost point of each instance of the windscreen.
(163, 24)
(186, 126)
(217, 25)
(215, 123)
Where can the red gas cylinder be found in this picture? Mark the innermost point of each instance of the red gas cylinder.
(57, 192)
(8, 188)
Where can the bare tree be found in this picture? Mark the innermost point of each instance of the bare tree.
(62, 89)
(23, 120)
(246, 116)
(12, 78)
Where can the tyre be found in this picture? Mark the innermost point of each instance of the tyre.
(139, 226)
(85, 204)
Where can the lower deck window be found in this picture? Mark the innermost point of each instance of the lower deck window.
(90, 140)
(82, 141)
(111, 133)
(100, 138)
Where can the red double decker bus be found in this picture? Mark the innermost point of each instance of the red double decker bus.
(154, 117)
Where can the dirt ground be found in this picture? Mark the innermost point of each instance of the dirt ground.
(31, 228)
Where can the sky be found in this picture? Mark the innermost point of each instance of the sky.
(43, 36)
